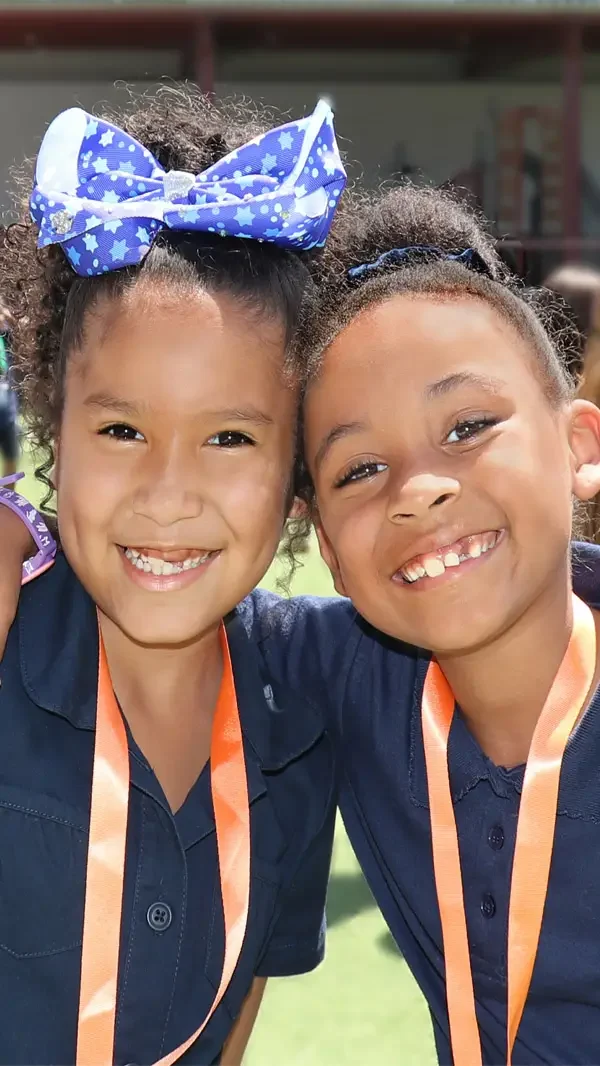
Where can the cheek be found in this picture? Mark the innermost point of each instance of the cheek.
(89, 484)
(353, 528)
(253, 497)
(530, 473)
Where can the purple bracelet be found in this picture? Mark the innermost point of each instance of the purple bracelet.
(36, 526)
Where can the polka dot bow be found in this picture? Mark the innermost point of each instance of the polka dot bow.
(104, 197)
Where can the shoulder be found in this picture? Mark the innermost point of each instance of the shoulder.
(301, 643)
(321, 652)
(269, 618)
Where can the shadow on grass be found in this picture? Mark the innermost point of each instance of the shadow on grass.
(350, 895)
(347, 896)
(387, 943)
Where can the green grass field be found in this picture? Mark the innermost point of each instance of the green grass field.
(362, 1006)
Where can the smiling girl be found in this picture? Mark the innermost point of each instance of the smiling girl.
(165, 836)
(444, 450)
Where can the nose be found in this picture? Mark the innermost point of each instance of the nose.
(169, 490)
(419, 494)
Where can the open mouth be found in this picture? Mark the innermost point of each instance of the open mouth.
(449, 557)
(167, 563)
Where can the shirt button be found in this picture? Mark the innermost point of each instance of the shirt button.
(496, 838)
(488, 905)
(159, 917)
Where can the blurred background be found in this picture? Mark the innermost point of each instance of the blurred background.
(501, 97)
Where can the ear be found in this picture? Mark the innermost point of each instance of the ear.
(585, 449)
(329, 557)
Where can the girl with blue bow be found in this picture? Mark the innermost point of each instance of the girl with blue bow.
(165, 824)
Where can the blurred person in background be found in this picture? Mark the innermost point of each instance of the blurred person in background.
(9, 437)
(579, 285)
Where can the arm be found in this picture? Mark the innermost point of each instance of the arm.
(303, 643)
(237, 1041)
(22, 531)
(17, 545)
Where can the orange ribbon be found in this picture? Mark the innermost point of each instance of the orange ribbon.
(534, 841)
(106, 861)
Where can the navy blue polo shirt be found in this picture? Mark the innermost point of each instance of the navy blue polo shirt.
(372, 688)
(172, 940)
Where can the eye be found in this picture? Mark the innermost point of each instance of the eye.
(122, 432)
(360, 472)
(468, 429)
(230, 438)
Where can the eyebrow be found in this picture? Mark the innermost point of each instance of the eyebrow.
(336, 433)
(245, 414)
(107, 402)
(465, 377)
(438, 388)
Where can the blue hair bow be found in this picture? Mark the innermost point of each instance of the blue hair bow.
(103, 197)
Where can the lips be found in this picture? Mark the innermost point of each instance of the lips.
(434, 563)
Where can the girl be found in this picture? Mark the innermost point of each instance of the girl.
(153, 335)
(444, 450)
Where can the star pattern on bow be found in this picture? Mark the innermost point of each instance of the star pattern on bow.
(264, 190)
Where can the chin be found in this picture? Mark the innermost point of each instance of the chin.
(443, 633)
(463, 637)
(159, 631)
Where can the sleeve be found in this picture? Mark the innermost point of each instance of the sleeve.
(297, 942)
(305, 643)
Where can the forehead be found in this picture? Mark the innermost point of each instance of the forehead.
(418, 337)
(192, 349)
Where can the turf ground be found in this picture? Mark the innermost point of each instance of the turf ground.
(362, 1006)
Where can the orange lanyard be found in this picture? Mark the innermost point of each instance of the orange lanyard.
(106, 861)
(534, 841)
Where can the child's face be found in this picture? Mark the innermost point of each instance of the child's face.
(176, 443)
(434, 451)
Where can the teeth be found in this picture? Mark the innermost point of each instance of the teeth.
(412, 573)
(435, 565)
(163, 567)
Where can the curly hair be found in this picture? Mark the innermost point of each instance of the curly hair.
(369, 225)
(48, 302)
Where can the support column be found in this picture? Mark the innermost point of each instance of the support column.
(571, 148)
(204, 56)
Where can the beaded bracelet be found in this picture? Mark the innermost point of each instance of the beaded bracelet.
(37, 527)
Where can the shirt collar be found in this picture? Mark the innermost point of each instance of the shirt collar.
(58, 641)
(468, 764)
(58, 645)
